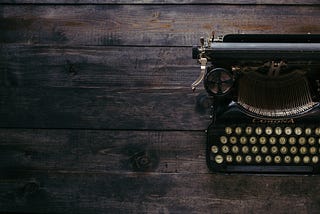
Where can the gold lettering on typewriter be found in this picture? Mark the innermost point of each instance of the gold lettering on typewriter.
(272, 121)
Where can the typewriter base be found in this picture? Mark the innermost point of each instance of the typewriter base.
(238, 143)
(265, 169)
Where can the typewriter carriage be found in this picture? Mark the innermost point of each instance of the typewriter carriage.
(273, 65)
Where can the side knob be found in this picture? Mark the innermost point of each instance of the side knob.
(218, 81)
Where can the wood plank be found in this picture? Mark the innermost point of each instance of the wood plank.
(238, 2)
(155, 25)
(99, 67)
(95, 108)
(51, 192)
(102, 151)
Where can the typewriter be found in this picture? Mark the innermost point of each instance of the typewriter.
(265, 91)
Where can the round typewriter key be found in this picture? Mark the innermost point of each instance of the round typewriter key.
(228, 130)
(272, 140)
(283, 150)
(268, 159)
(306, 159)
(258, 130)
(298, 131)
(302, 140)
(258, 158)
(277, 159)
(313, 150)
(225, 149)
(264, 149)
(268, 130)
(278, 130)
(233, 140)
(308, 131)
(292, 140)
(223, 139)
(238, 130)
(274, 150)
(296, 159)
(238, 158)
(254, 149)
(214, 149)
(315, 159)
(235, 149)
(245, 149)
(248, 159)
(263, 140)
(243, 140)
(218, 159)
(311, 140)
(282, 140)
(288, 131)
(303, 150)
(317, 131)
(229, 158)
(287, 159)
(253, 140)
(293, 150)
(249, 130)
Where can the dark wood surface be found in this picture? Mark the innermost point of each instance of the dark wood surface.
(152, 25)
(91, 108)
(109, 67)
(196, 2)
(103, 151)
(83, 171)
(97, 114)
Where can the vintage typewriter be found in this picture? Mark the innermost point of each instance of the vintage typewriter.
(265, 91)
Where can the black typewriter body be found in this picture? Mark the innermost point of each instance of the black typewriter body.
(265, 91)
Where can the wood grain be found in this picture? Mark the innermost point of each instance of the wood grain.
(238, 2)
(80, 192)
(151, 25)
(83, 171)
(102, 151)
(98, 67)
(102, 109)
(97, 115)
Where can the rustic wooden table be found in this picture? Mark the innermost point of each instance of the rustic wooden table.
(97, 114)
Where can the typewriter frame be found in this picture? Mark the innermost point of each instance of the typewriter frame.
(303, 50)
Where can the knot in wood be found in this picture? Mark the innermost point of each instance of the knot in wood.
(141, 161)
(30, 188)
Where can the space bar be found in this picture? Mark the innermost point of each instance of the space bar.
(270, 169)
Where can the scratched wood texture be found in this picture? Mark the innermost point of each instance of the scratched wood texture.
(97, 114)
(238, 2)
(152, 25)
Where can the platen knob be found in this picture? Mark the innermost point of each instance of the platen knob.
(218, 81)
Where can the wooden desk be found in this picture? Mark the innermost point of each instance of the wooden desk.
(97, 114)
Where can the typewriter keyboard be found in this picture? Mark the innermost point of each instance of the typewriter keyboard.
(273, 149)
